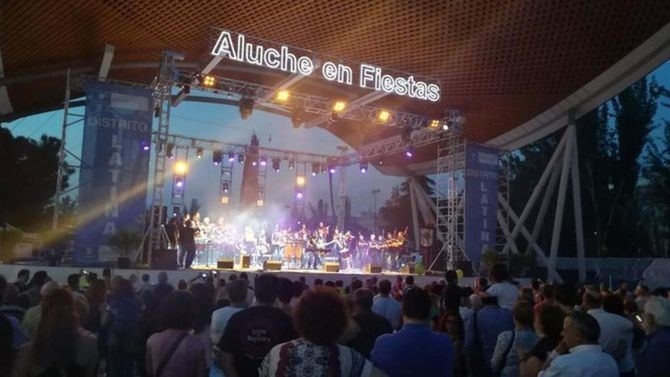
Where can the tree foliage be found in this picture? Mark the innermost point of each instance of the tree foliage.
(397, 211)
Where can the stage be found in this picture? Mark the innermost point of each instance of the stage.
(60, 274)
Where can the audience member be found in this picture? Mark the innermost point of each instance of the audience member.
(144, 285)
(409, 284)
(73, 282)
(33, 315)
(7, 349)
(481, 334)
(581, 355)
(386, 306)
(548, 324)
(33, 293)
(320, 319)
(11, 305)
(284, 295)
(450, 300)
(251, 333)
(121, 317)
(22, 279)
(370, 325)
(565, 296)
(174, 351)
(60, 346)
(505, 360)
(451, 323)
(616, 331)
(654, 359)
(415, 350)
(502, 288)
(163, 288)
(201, 326)
(182, 285)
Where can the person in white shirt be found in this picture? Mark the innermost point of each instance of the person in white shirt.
(237, 292)
(506, 292)
(616, 332)
(581, 355)
(386, 306)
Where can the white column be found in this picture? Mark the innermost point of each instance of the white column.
(541, 215)
(577, 201)
(560, 201)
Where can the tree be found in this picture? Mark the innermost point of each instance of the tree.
(656, 193)
(29, 169)
(397, 210)
(125, 241)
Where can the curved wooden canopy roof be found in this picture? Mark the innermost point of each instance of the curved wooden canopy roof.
(500, 63)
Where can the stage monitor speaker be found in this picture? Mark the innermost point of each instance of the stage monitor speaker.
(331, 267)
(245, 261)
(373, 269)
(164, 259)
(272, 265)
(225, 263)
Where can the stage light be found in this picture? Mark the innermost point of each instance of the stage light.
(291, 165)
(225, 199)
(383, 116)
(316, 168)
(299, 195)
(179, 182)
(144, 145)
(254, 163)
(339, 106)
(445, 126)
(435, 123)
(363, 167)
(217, 157)
(169, 150)
(209, 81)
(332, 170)
(180, 167)
(300, 181)
(246, 107)
(276, 164)
(282, 96)
(240, 158)
(225, 187)
(231, 157)
(380, 162)
(199, 152)
(409, 152)
(264, 161)
(259, 202)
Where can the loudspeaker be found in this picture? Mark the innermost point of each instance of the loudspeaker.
(225, 263)
(164, 259)
(272, 265)
(373, 269)
(331, 267)
(409, 269)
(245, 261)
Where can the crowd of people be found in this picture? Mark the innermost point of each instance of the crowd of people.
(272, 326)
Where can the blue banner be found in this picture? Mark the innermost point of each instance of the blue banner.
(481, 200)
(115, 167)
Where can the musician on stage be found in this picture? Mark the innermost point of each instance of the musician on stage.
(172, 229)
(188, 234)
(313, 250)
(277, 241)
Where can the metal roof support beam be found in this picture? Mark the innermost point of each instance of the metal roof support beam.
(184, 92)
(106, 62)
(287, 82)
(5, 103)
(353, 105)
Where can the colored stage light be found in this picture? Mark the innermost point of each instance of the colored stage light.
(144, 145)
(169, 151)
(383, 116)
(254, 163)
(363, 166)
(179, 182)
(225, 187)
(240, 158)
(409, 152)
(291, 165)
(209, 81)
(259, 202)
(231, 157)
(199, 152)
(316, 168)
(282, 96)
(299, 195)
(180, 167)
(264, 161)
(380, 162)
(217, 157)
(332, 170)
(276, 164)
(445, 126)
(246, 107)
(300, 181)
(225, 199)
(339, 106)
(435, 123)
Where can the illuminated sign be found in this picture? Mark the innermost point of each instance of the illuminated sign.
(243, 50)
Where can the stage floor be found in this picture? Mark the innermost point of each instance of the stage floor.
(60, 274)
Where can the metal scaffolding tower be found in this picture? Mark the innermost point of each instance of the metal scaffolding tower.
(342, 189)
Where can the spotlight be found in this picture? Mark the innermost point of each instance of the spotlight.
(339, 106)
(240, 158)
(264, 161)
(198, 153)
(209, 81)
(331, 166)
(435, 123)
(225, 199)
(246, 107)
(276, 164)
(380, 162)
(445, 126)
(300, 181)
(282, 96)
(259, 202)
(297, 117)
(363, 166)
(144, 145)
(409, 152)
(254, 163)
(231, 157)
(169, 150)
(316, 168)
(179, 182)
(299, 195)
(225, 187)
(217, 157)
(383, 116)
(291, 165)
(180, 167)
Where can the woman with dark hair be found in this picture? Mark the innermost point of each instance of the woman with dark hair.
(548, 323)
(320, 318)
(451, 323)
(60, 346)
(201, 327)
(174, 352)
(505, 360)
(122, 314)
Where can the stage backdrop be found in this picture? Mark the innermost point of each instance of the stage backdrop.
(115, 167)
(481, 200)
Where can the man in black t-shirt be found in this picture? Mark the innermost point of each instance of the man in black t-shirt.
(252, 332)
